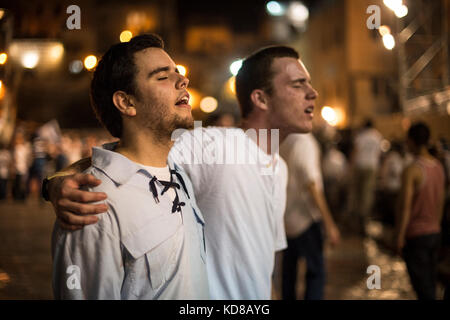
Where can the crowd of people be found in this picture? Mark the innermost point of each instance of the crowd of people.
(30, 157)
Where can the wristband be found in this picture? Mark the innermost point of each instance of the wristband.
(44, 189)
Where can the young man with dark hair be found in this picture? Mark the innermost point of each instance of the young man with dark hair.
(243, 207)
(149, 244)
(419, 221)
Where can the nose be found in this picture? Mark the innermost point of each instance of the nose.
(183, 82)
(312, 94)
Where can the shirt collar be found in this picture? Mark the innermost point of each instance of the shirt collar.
(118, 167)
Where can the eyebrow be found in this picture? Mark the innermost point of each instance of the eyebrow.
(302, 79)
(160, 69)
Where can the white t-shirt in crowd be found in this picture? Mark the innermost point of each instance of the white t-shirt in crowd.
(22, 158)
(243, 207)
(368, 149)
(391, 172)
(302, 155)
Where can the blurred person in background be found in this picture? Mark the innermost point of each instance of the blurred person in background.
(306, 215)
(5, 168)
(365, 161)
(39, 162)
(334, 170)
(442, 153)
(58, 158)
(21, 157)
(418, 225)
(390, 183)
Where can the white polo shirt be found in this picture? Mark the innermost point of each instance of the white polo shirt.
(140, 248)
(243, 205)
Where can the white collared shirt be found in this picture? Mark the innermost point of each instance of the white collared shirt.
(138, 249)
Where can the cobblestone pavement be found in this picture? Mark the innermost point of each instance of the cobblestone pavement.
(25, 259)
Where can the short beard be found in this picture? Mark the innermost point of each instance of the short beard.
(163, 125)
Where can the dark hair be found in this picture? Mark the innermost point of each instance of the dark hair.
(116, 71)
(256, 73)
(419, 134)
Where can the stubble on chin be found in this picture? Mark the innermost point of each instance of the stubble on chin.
(163, 124)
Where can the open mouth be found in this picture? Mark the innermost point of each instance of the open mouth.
(183, 101)
(309, 110)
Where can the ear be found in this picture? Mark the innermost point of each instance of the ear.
(259, 99)
(124, 103)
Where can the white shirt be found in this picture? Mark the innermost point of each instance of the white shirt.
(22, 158)
(162, 173)
(140, 248)
(391, 172)
(302, 154)
(242, 206)
(368, 149)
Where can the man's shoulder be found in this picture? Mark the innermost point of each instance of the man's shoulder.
(107, 183)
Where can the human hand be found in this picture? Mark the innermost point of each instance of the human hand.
(72, 206)
(333, 235)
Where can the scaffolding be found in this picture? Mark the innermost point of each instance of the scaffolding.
(423, 57)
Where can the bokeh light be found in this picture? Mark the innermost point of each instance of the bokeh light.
(274, 8)
(125, 36)
(182, 69)
(3, 58)
(208, 104)
(235, 66)
(389, 41)
(298, 13)
(329, 115)
(76, 66)
(401, 11)
(90, 62)
(393, 4)
(383, 30)
(30, 59)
